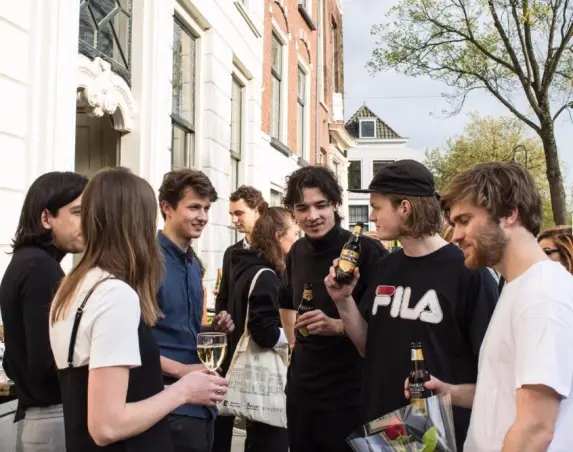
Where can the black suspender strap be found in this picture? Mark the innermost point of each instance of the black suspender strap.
(79, 314)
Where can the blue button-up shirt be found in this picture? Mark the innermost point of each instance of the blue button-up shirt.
(181, 302)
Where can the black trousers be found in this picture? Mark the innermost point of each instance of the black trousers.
(260, 437)
(190, 434)
(320, 431)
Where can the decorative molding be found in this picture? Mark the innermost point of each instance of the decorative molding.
(283, 9)
(100, 91)
(248, 19)
(306, 16)
(303, 37)
(339, 133)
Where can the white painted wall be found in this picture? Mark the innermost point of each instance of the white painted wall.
(14, 88)
(38, 73)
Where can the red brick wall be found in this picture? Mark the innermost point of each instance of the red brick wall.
(291, 25)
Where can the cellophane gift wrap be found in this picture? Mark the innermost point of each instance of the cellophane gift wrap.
(427, 426)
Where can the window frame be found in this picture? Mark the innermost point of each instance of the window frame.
(123, 65)
(177, 121)
(364, 220)
(282, 133)
(236, 156)
(363, 120)
(304, 150)
(360, 175)
(335, 38)
(378, 161)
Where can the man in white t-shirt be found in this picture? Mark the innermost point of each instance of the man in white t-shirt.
(523, 399)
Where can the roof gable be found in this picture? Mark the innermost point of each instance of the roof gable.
(383, 130)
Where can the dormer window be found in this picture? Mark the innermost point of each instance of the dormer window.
(367, 128)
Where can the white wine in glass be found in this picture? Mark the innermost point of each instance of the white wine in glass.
(211, 348)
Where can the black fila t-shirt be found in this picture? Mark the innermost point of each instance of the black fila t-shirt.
(434, 299)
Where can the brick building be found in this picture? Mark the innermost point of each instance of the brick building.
(302, 116)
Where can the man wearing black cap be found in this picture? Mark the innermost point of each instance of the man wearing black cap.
(422, 293)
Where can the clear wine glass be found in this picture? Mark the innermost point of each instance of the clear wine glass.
(211, 348)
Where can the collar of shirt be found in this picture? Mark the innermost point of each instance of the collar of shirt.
(246, 245)
(171, 248)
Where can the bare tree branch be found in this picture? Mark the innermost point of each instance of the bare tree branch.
(562, 109)
(530, 52)
(525, 82)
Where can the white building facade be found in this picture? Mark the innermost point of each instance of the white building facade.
(148, 84)
(377, 144)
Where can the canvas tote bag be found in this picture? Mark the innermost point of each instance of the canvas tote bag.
(257, 379)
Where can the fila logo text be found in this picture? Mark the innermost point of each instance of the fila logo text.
(427, 309)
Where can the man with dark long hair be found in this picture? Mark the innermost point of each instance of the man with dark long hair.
(48, 229)
(323, 383)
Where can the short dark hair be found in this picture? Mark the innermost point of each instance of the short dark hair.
(313, 176)
(51, 191)
(250, 195)
(499, 188)
(175, 183)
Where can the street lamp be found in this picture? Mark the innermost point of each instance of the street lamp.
(519, 147)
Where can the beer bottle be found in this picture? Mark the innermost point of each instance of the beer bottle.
(218, 283)
(349, 257)
(418, 376)
(305, 306)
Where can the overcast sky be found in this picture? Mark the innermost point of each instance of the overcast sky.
(413, 106)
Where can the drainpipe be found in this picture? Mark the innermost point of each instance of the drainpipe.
(317, 84)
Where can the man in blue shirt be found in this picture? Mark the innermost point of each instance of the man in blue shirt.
(185, 197)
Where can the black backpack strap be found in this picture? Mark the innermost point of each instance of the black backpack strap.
(79, 313)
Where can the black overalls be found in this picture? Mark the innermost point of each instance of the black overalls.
(144, 381)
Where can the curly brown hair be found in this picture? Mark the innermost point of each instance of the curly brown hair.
(563, 239)
(175, 183)
(250, 195)
(500, 189)
(273, 222)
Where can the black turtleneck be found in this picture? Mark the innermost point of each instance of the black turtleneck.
(325, 371)
(26, 294)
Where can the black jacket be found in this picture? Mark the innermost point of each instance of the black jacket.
(222, 300)
(264, 320)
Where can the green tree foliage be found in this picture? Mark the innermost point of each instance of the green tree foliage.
(512, 49)
(492, 139)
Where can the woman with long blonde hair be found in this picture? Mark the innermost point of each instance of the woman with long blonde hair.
(108, 361)
(558, 245)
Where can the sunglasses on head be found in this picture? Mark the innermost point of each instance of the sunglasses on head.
(550, 251)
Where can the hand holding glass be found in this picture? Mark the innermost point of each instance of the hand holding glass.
(211, 348)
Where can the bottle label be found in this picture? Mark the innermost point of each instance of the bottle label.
(307, 294)
(348, 260)
(417, 390)
(419, 407)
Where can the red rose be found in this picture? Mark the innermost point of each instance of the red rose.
(395, 431)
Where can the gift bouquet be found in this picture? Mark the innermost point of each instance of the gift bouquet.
(426, 426)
